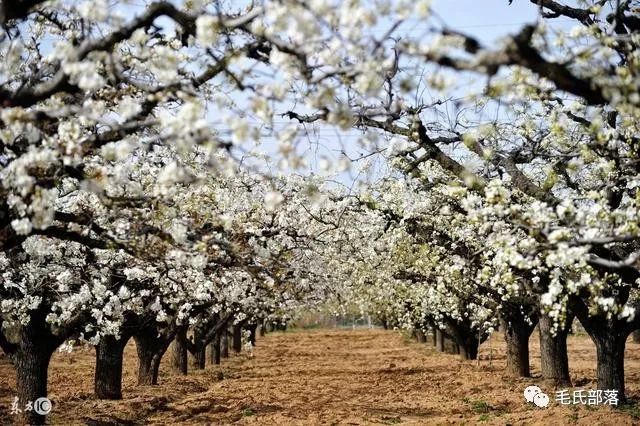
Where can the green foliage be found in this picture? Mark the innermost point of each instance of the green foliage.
(391, 420)
(479, 406)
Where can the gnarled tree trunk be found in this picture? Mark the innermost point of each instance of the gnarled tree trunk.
(466, 337)
(151, 346)
(609, 336)
(31, 359)
(470, 350)
(610, 346)
(554, 361)
(179, 358)
(32, 364)
(517, 330)
(108, 372)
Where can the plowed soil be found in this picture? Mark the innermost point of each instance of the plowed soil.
(330, 376)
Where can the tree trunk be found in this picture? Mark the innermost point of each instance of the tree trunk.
(636, 336)
(224, 343)
(108, 372)
(252, 334)
(150, 346)
(237, 338)
(434, 338)
(263, 329)
(469, 350)
(214, 348)
(179, 358)
(201, 358)
(554, 361)
(420, 337)
(465, 338)
(516, 334)
(31, 360)
(439, 340)
(450, 345)
(148, 366)
(32, 364)
(610, 358)
(200, 353)
(610, 336)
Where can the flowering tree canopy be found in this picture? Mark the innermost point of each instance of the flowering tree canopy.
(154, 172)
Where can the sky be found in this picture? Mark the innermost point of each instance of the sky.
(486, 19)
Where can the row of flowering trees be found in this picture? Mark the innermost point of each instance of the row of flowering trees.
(525, 203)
(147, 187)
(124, 213)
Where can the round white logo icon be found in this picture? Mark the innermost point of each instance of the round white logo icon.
(530, 392)
(541, 400)
(534, 394)
(42, 406)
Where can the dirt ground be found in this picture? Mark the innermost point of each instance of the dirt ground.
(330, 376)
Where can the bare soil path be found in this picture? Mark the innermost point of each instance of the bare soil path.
(330, 376)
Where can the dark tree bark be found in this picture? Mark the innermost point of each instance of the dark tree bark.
(263, 330)
(610, 337)
(31, 359)
(148, 364)
(252, 333)
(108, 372)
(32, 364)
(610, 358)
(237, 338)
(554, 361)
(179, 358)
(200, 350)
(466, 337)
(214, 350)
(636, 336)
(469, 350)
(151, 346)
(224, 343)
(385, 324)
(420, 337)
(517, 331)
